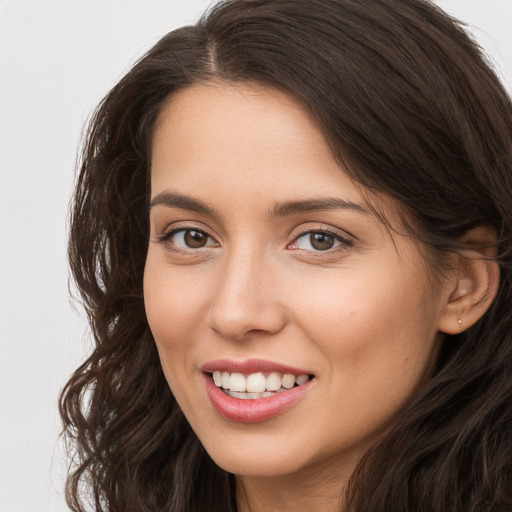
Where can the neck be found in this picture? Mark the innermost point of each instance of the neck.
(318, 488)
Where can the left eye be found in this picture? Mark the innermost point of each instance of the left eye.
(318, 241)
(190, 239)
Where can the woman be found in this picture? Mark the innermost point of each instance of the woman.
(292, 233)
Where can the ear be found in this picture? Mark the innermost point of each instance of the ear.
(474, 283)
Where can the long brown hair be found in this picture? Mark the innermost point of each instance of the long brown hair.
(410, 106)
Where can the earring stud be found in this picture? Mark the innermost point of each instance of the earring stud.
(459, 322)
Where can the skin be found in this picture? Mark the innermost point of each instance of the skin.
(363, 317)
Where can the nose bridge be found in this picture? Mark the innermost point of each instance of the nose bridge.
(245, 298)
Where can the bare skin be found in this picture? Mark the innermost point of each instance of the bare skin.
(262, 247)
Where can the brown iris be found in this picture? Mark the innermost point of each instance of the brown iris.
(321, 241)
(195, 239)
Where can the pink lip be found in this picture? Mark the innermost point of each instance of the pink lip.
(256, 410)
(251, 366)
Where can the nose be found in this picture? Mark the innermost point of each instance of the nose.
(246, 300)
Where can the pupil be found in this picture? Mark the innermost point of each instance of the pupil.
(321, 241)
(195, 239)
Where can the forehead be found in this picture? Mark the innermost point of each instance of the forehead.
(241, 134)
(243, 150)
(246, 146)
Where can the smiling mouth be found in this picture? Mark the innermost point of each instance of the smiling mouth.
(256, 385)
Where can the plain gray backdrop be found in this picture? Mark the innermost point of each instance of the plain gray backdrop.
(57, 60)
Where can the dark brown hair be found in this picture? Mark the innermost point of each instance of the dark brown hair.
(409, 105)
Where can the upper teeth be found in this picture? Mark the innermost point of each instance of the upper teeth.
(257, 382)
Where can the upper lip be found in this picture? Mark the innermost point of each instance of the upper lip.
(249, 366)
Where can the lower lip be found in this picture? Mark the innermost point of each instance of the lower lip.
(253, 410)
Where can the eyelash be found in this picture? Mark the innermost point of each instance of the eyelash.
(166, 237)
(343, 242)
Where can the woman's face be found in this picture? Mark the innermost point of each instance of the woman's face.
(265, 261)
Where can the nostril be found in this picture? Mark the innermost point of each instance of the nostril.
(244, 309)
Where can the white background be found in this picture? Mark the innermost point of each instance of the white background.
(57, 60)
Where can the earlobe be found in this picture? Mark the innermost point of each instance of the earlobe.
(475, 282)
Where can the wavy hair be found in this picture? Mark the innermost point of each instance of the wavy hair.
(410, 106)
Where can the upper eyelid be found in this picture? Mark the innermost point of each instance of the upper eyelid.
(327, 229)
(174, 231)
(345, 241)
(296, 232)
(166, 240)
(185, 226)
(340, 238)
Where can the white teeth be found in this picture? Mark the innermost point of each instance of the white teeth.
(301, 379)
(288, 380)
(256, 385)
(237, 382)
(273, 381)
(217, 378)
(236, 394)
(245, 396)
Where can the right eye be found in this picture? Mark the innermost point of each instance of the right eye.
(189, 238)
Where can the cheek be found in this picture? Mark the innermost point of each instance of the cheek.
(168, 312)
(172, 304)
(370, 324)
(377, 345)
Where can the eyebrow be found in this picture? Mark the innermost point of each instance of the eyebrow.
(311, 205)
(181, 201)
(284, 209)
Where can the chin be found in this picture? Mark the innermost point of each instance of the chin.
(258, 463)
